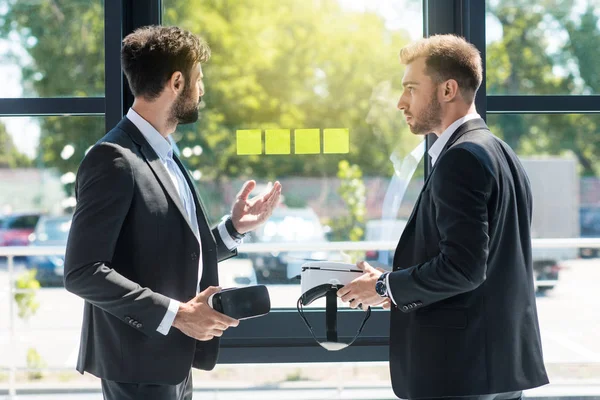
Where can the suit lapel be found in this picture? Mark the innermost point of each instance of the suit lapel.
(468, 126)
(157, 167)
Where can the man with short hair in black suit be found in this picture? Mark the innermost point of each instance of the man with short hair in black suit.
(140, 251)
(464, 322)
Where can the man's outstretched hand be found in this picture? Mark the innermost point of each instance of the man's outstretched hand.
(248, 214)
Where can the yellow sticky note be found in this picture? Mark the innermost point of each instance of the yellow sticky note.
(277, 141)
(249, 141)
(336, 141)
(307, 141)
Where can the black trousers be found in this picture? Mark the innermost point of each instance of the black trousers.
(134, 391)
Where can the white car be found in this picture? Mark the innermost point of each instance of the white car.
(236, 272)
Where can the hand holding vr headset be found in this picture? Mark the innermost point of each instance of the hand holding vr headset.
(198, 320)
(332, 280)
(361, 291)
(214, 310)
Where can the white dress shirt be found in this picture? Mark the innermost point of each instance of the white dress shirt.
(434, 152)
(437, 147)
(163, 148)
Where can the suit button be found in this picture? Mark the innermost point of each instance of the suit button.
(139, 326)
(404, 308)
(419, 303)
(194, 256)
(127, 319)
(414, 304)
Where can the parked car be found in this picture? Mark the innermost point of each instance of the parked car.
(236, 272)
(16, 228)
(589, 222)
(50, 231)
(287, 225)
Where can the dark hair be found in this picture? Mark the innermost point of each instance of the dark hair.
(448, 57)
(150, 55)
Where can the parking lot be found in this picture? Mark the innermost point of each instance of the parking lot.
(569, 317)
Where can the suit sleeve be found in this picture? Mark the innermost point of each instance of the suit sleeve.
(460, 189)
(104, 191)
(226, 245)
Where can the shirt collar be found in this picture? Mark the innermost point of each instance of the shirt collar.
(440, 143)
(159, 144)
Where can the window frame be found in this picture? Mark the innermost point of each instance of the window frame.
(281, 336)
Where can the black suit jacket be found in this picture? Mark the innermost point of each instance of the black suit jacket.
(466, 319)
(130, 249)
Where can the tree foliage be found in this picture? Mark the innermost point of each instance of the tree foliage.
(290, 64)
(546, 49)
(275, 64)
(64, 45)
(310, 64)
(353, 193)
(10, 157)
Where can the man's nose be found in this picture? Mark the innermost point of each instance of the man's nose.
(401, 104)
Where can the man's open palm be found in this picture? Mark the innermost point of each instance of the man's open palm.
(248, 214)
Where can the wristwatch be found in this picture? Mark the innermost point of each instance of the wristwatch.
(381, 285)
(231, 229)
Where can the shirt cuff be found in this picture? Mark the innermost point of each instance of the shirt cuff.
(388, 289)
(167, 321)
(230, 242)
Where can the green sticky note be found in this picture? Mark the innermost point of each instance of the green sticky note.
(277, 141)
(336, 141)
(249, 141)
(307, 141)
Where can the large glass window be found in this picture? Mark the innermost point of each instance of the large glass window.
(559, 154)
(319, 81)
(546, 48)
(38, 162)
(52, 48)
(39, 159)
(305, 93)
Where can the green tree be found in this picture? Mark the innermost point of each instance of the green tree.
(528, 60)
(352, 191)
(284, 64)
(10, 157)
(27, 306)
(64, 43)
(290, 64)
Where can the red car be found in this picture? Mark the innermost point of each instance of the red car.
(16, 228)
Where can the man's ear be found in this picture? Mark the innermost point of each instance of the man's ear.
(176, 83)
(450, 90)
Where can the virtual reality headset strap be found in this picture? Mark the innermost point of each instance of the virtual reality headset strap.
(331, 322)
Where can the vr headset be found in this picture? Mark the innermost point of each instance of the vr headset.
(242, 303)
(323, 279)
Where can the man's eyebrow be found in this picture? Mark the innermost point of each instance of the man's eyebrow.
(410, 83)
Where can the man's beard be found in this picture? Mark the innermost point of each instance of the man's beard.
(183, 110)
(429, 119)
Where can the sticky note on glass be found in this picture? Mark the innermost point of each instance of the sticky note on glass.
(249, 141)
(336, 141)
(277, 141)
(307, 141)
